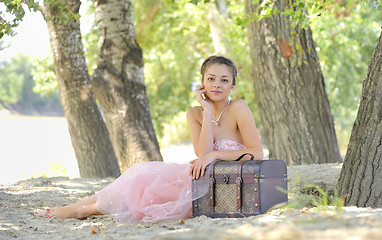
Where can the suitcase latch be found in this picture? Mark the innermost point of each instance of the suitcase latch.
(226, 179)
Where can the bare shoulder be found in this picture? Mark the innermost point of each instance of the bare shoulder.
(239, 105)
(194, 113)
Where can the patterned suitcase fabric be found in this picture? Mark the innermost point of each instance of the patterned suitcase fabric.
(240, 188)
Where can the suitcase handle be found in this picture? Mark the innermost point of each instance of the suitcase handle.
(244, 154)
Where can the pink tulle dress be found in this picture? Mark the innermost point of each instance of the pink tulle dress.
(153, 191)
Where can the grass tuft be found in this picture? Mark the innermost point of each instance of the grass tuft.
(318, 196)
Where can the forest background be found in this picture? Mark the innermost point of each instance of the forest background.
(175, 38)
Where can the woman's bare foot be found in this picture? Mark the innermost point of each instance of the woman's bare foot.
(71, 211)
(50, 213)
(79, 210)
(61, 212)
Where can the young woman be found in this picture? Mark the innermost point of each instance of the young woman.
(152, 191)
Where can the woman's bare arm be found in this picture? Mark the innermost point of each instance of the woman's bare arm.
(201, 133)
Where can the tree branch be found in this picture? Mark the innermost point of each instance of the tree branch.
(149, 18)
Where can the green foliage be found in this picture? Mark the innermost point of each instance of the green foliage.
(12, 13)
(11, 17)
(304, 13)
(175, 131)
(2, 45)
(43, 75)
(176, 38)
(345, 33)
(174, 41)
(90, 40)
(16, 89)
(55, 169)
(11, 83)
(64, 11)
(345, 42)
(301, 13)
(313, 195)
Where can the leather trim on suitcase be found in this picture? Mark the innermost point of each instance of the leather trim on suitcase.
(253, 187)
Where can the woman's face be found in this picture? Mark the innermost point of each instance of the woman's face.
(218, 81)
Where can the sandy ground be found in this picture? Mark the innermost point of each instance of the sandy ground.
(24, 155)
(19, 200)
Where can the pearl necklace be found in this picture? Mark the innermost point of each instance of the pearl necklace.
(217, 120)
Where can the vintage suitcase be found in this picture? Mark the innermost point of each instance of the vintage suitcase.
(239, 188)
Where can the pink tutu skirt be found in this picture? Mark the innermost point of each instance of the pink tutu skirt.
(148, 192)
(153, 191)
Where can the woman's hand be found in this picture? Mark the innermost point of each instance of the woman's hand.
(199, 165)
(202, 98)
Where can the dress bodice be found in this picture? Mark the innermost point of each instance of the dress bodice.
(228, 145)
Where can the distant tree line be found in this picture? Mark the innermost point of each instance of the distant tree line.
(17, 93)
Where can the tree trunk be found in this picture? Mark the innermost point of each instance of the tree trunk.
(361, 175)
(88, 132)
(120, 86)
(222, 8)
(290, 92)
(217, 31)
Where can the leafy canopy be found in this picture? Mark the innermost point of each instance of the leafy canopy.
(345, 42)
(12, 13)
(175, 37)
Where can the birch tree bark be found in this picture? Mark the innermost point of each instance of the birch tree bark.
(120, 86)
(88, 132)
(290, 92)
(360, 180)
